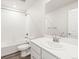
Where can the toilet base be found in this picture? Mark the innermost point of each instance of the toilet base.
(25, 53)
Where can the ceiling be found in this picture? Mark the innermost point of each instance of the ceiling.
(54, 4)
(21, 5)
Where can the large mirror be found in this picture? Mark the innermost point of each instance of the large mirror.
(61, 18)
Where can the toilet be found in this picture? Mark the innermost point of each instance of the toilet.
(25, 49)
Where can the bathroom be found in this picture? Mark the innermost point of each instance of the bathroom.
(39, 29)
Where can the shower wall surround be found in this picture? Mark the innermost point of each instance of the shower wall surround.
(12, 30)
(13, 27)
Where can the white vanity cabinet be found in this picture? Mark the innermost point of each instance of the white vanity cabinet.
(39, 53)
(35, 51)
(46, 55)
(34, 55)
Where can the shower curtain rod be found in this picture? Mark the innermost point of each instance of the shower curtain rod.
(13, 10)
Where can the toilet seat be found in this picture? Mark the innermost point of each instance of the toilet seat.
(23, 46)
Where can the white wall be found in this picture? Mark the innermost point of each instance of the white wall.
(59, 19)
(37, 22)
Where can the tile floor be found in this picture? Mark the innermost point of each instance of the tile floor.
(15, 56)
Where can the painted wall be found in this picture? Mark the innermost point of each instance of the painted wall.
(37, 22)
(58, 19)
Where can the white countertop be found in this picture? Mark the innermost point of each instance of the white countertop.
(68, 51)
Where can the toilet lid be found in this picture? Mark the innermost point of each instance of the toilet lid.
(24, 46)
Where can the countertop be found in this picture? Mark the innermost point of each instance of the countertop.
(67, 52)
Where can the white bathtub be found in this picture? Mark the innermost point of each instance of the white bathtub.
(9, 48)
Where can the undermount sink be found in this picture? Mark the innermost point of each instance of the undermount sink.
(53, 45)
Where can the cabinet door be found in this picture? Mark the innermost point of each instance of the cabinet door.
(34, 55)
(35, 48)
(46, 55)
(73, 23)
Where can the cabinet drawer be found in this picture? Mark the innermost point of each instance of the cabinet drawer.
(36, 48)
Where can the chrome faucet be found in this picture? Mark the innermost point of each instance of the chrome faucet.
(55, 39)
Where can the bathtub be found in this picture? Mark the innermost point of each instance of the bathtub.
(7, 49)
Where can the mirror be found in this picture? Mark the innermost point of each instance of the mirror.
(61, 18)
(73, 23)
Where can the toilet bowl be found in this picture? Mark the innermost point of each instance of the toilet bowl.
(25, 49)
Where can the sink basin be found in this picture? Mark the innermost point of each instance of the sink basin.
(53, 45)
